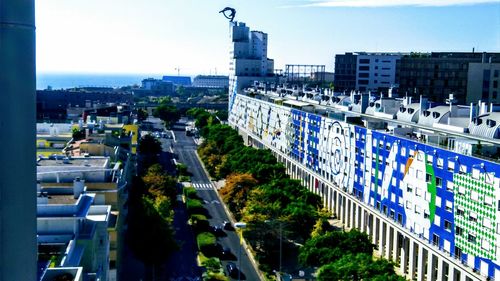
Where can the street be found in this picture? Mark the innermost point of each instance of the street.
(185, 151)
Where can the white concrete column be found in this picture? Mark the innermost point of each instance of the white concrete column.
(388, 241)
(421, 263)
(440, 273)
(395, 248)
(381, 238)
(462, 275)
(412, 262)
(430, 266)
(363, 221)
(404, 255)
(356, 215)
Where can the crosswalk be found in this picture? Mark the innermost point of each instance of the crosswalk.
(202, 186)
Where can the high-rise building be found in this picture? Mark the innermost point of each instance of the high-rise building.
(248, 59)
(423, 180)
(483, 81)
(364, 72)
(439, 74)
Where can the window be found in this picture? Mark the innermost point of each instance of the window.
(473, 217)
(474, 195)
(487, 223)
(364, 60)
(447, 225)
(488, 200)
(448, 206)
(428, 177)
(363, 82)
(439, 182)
(435, 239)
(459, 230)
(364, 67)
(471, 238)
(409, 188)
(485, 244)
(460, 212)
(440, 163)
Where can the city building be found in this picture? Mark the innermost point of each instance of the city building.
(365, 72)
(184, 81)
(211, 81)
(54, 104)
(439, 74)
(421, 179)
(345, 72)
(72, 234)
(107, 182)
(155, 87)
(248, 59)
(482, 82)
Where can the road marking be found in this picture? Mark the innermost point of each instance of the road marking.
(202, 186)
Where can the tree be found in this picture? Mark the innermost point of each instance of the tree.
(358, 267)
(77, 134)
(167, 112)
(332, 246)
(149, 145)
(142, 114)
(322, 225)
(158, 183)
(235, 192)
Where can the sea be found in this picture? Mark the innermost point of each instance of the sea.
(71, 80)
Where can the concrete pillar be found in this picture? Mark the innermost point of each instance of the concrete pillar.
(363, 220)
(431, 262)
(381, 237)
(18, 245)
(412, 260)
(421, 263)
(440, 272)
(404, 255)
(395, 246)
(389, 241)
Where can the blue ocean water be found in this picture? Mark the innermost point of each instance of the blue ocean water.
(65, 80)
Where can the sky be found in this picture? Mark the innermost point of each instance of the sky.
(190, 36)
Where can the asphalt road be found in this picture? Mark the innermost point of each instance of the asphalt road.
(185, 152)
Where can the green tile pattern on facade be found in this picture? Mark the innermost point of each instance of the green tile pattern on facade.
(468, 205)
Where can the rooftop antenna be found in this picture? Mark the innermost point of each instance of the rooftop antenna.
(229, 13)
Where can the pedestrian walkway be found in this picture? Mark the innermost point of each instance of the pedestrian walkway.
(202, 186)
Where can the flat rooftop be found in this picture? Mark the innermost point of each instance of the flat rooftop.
(62, 199)
(75, 162)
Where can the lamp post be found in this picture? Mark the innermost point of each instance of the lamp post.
(239, 226)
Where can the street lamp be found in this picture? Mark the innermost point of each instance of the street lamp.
(239, 226)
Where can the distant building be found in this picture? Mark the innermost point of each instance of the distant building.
(365, 71)
(155, 87)
(248, 59)
(482, 82)
(345, 72)
(178, 80)
(53, 104)
(211, 81)
(439, 74)
(327, 77)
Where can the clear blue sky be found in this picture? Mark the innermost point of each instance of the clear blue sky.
(158, 36)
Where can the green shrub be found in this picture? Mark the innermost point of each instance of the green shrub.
(190, 192)
(199, 222)
(195, 206)
(206, 242)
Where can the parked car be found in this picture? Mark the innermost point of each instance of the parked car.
(217, 231)
(232, 270)
(227, 225)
